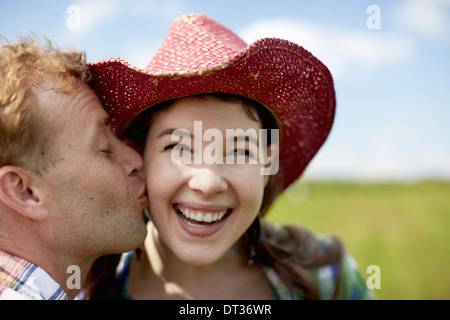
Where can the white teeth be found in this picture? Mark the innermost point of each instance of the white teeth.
(199, 217)
(202, 217)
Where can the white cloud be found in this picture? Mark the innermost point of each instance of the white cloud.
(338, 48)
(92, 13)
(387, 155)
(426, 17)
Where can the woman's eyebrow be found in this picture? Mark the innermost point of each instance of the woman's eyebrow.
(170, 131)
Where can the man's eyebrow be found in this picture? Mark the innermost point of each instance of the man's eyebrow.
(103, 122)
(170, 131)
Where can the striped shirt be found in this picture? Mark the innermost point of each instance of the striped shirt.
(23, 280)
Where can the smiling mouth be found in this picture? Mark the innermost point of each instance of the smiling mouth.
(198, 218)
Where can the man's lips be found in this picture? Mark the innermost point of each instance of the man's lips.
(143, 195)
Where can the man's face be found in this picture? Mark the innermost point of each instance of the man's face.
(95, 192)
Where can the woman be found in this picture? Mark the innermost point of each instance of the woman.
(207, 236)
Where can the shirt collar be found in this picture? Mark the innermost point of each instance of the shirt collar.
(28, 279)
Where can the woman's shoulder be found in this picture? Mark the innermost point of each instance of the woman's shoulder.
(341, 279)
(330, 265)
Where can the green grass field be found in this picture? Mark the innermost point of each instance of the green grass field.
(402, 228)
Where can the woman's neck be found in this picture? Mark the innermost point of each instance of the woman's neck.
(161, 275)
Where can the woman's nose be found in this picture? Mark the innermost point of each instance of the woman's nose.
(208, 181)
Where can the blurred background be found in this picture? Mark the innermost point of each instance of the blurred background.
(381, 182)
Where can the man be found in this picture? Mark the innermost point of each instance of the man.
(70, 191)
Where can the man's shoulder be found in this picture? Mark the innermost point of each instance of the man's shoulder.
(7, 293)
(22, 279)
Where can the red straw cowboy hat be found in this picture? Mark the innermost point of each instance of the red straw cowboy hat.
(200, 55)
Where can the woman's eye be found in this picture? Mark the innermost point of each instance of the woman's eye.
(178, 147)
(241, 152)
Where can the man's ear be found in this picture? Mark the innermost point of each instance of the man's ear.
(20, 191)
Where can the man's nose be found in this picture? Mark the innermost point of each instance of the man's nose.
(129, 158)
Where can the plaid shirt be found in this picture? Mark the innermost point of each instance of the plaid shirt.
(23, 280)
(352, 287)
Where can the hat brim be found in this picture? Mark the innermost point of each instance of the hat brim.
(284, 77)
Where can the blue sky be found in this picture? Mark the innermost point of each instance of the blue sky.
(392, 83)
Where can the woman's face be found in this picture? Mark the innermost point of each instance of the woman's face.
(201, 200)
